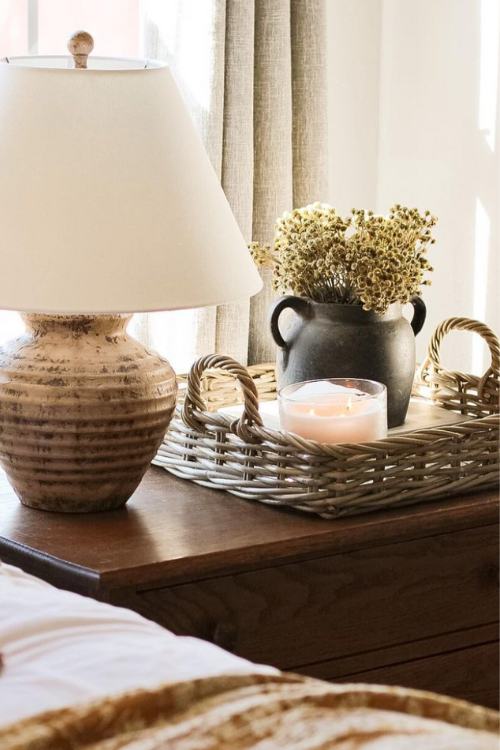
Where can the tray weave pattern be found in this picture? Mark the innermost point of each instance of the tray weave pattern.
(251, 461)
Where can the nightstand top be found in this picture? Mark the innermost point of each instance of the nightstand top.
(174, 529)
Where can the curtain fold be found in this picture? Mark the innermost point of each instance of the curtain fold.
(309, 101)
(253, 73)
(233, 321)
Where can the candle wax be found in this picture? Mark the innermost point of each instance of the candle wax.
(339, 415)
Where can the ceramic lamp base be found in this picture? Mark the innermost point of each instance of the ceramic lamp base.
(83, 410)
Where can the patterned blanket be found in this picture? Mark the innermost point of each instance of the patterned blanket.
(263, 713)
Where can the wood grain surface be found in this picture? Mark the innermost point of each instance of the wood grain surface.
(311, 611)
(469, 673)
(173, 530)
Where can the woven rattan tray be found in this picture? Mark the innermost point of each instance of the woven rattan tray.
(244, 457)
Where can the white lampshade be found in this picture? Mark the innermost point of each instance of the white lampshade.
(108, 202)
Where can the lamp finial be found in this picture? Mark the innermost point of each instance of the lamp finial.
(80, 46)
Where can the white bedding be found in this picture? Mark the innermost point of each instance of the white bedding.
(60, 649)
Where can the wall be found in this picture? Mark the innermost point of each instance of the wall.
(425, 77)
(353, 33)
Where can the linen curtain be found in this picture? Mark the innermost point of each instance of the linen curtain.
(253, 73)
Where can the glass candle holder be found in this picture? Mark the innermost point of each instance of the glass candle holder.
(338, 410)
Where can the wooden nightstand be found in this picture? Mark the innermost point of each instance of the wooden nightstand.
(407, 596)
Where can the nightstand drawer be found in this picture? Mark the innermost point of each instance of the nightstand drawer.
(297, 614)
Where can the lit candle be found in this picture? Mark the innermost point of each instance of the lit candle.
(335, 411)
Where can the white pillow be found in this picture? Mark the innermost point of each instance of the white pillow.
(60, 649)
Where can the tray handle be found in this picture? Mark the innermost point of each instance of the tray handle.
(462, 324)
(194, 400)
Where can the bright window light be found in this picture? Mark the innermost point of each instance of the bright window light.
(13, 28)
(488, 69)
(11, 326)
(481, 255)
(182, 30)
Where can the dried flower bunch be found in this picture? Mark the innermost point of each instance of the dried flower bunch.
(361, 259)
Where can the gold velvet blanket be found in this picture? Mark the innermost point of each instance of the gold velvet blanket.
(261, 712)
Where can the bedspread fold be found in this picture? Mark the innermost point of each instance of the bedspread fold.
(262, 712)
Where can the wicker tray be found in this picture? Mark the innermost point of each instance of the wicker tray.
(244, 457)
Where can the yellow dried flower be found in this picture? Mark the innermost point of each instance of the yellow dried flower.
(362, 259)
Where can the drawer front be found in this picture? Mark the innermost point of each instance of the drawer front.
(321, 609)
(470, 674)
(462, 664)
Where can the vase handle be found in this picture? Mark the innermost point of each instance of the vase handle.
(419, 313)
(300, 305)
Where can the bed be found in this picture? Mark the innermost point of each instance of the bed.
(81, 674)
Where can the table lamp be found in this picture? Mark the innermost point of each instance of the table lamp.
(108, 206)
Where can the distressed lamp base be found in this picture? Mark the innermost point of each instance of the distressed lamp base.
(83, 410)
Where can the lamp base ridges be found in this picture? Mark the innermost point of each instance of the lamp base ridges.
(83, 410)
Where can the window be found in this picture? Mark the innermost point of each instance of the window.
(44, 26)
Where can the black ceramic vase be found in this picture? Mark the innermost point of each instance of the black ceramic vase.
(328, 340)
